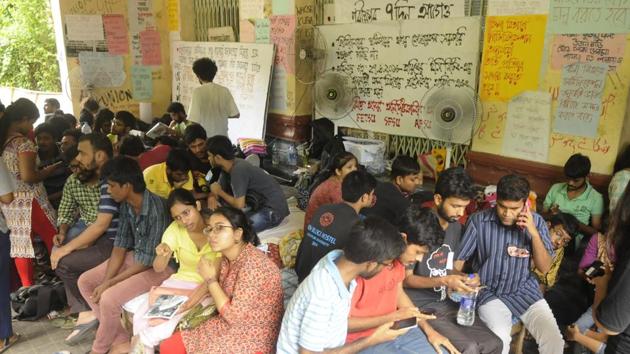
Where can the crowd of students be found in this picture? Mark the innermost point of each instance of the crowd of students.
(127, 220)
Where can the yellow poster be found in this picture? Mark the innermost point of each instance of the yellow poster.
(172, 7)
(512, 53)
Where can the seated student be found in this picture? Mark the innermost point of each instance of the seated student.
(60, 125)
(127, 273)
(69, 139)
(316, 318)
(392, 197)
(49, 155)
(131, 146)
(562, 228)
(577, 196)
(103, 121)
(381, 299)
(430, 280)
(123, 122)
(184, 241)
(245, 286)
(179, 122)
(86, 117)
(195, 141)
(330, 227)
(620, 179)
(328, 190)
(163, 178)
(504, 241)
(157, 154)
(244, 179)
(93, 244)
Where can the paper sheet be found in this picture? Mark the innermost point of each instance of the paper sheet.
(262, 30)
(172, 8)
(221, 34)
(604, 48)
(517, 7)
(283, 36)
(150, 47)
(252, 9)
(116, 34)
(101, 69)
(367, 11)
(246, 32)
(84, 27)
(580, 99)
(282, 7)
(141, 83)
(528, 126)
(591, 16)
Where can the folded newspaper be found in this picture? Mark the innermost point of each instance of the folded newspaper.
(166, 306)
(157, 130)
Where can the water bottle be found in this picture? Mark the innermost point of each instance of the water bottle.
(292, 156)
(466, 313)
(275, 154)
(455, 295)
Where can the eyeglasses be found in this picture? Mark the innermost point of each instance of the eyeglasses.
(209, 230)
(183, 214)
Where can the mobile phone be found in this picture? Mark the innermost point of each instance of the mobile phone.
(525, 209)
(595, 270)
(406, 323)
(428, 311)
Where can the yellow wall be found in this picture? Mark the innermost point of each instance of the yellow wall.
(119, 98)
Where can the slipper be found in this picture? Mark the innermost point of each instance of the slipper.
(9, 341)
(84, 330)
(64, 322)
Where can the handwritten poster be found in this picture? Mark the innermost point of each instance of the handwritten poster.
(580, 99)
(366, 11)
(279, 96)
(172, 8)
(393, 65)
(116, 34)
(140, 18)
(150, 47)
(592, 16)
(282, 7)
(517, 7)
(244, 68)
(263, 30)
(247, 33)
(251, 9)
(221, 34)
(101, 69)
(283, 36)
(512, 54)
(84, 27)
(607, 48)
(528, 126)
(141, 83)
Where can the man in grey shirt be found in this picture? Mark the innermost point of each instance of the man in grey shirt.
(241, 181)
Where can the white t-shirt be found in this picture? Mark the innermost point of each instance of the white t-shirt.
(211, 106)
(7, 185)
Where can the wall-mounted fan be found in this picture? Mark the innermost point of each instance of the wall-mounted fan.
(312, 52)
(334, 95)
(453, 111)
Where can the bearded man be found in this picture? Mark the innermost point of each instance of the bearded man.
(88, 242)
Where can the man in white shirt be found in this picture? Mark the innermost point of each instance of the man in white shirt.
(211, 104)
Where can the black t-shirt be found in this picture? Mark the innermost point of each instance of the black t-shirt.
(614, 312)
(438, 262)
(328, 230)
(390, 203)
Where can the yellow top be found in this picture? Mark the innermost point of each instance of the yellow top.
(186, 253)
(549, 279)
(157, 182)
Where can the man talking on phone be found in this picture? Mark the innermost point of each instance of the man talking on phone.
(504, 241)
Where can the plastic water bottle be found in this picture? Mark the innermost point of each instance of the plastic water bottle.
(292, 156)
(466, 313)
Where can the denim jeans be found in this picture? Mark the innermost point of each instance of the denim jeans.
(263, 219)
(414, 341)
(584, 323)
(75, 230)
(5, 286)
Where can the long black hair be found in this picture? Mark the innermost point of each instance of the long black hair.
(181, 196)
(336, 163)
(238, 219)
(619, 233)
(623, 160)
(17, 111)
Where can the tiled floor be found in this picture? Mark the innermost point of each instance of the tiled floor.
(41, 337)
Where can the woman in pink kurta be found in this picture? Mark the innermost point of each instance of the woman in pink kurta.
(246, 288)
(329, 191)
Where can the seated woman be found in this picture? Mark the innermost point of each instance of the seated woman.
(185, 241)
(245, 287)
(327, 186)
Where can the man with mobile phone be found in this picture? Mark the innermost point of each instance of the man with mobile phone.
(504, 241)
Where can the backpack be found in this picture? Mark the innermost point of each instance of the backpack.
(34, 302)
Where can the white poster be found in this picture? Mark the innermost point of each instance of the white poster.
(366, 11)
(528, 126)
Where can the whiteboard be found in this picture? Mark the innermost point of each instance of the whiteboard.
(393, 64)
(244, 68)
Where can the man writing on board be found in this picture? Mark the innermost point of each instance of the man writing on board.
(211, 104)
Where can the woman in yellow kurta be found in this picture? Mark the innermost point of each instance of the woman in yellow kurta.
(185, 243)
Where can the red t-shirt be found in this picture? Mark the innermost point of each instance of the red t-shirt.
(376, 297)
(154, 156)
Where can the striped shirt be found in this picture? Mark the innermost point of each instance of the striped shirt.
(81, 197)
(507, 278)
(108, 205)
(317, 315)
(142, 233)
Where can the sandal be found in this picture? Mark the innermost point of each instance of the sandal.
(8, 342)
(83, 331)
(64, 322)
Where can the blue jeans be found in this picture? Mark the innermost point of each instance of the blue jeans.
(6, 330)
(263, 219)
(75, 230)
(585, 322)
(412, 342)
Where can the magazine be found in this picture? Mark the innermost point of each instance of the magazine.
(166, 306)
(157, 130)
